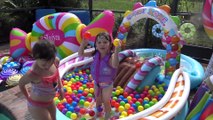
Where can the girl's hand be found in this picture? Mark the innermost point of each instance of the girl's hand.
(61, 92)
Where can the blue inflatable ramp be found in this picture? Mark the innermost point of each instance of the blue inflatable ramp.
(42, 12)
(83, 15)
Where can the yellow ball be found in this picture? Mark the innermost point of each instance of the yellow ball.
(86, 104)
(118, 87)
(117, 92)
(86, 90)
(116, 42)
(81, 88)
(140, 108)
(121, 108)
(91, 90)
(129, 98)
(69, 91)
(73, 116)
(124, 113)
(127, 106)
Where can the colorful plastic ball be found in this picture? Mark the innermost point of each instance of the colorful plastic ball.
(146, 106)
(68, 114)
(86, 104)
(74, 103)
(74, 116)
(91, 113)
(87, 35)
(124, 113)
(127, 106)
(71, 108)
(82, 111)
(140, 108)
(121, 108)
(130, 111)
(64, 111)
(100, 109)
(77, 109)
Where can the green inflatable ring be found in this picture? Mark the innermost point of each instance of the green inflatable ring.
(187, 30)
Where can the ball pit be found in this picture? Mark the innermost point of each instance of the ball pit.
(79, 92)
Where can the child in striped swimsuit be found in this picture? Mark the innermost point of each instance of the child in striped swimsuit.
(103, 68)
(44, 78)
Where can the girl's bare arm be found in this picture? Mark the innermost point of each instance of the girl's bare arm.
(22, 85)
(114, 58)
(81, 51)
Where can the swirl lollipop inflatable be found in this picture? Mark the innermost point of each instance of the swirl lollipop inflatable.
(19, 43)
(60, 28)
(64, 29)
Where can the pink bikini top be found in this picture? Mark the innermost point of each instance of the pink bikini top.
(48, 79)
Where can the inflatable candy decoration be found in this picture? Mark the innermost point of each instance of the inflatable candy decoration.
(28, 41)
(171, 38)
(4, 59)
(176, 19)
(187, 30)
(17, 43)
(142, 72)
(104, 22)
(13, 80)
(207, 16)
(8, 72)
(151, 3)
(24, 59)
(60, 28)
(24, 70)
(166, 8)
(28, 63)
(137, 5)
(15, 65)
(157, 31)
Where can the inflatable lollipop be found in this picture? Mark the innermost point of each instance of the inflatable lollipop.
(7, 73)
(18, 46)
(15, 65)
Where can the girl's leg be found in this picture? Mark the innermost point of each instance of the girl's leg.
(98, 99)
(52, 111)
(39, 113)
(106, 95)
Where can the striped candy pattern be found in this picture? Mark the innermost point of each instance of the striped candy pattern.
(142, 72)
(62, 24)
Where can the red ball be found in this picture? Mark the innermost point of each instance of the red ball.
(87, 35)
(69, 100)
(83, 111)
(125, 94)
(91, 113)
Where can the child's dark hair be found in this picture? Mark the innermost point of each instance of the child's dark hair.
(44, 49)
(105, 35)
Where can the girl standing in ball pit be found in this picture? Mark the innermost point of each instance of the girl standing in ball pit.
(103, 69)
(44, 78)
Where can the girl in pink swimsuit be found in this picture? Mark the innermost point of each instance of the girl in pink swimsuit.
(44, 79)
(103, 68)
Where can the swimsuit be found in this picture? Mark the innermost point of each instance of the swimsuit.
(102, 72)
(46, 87)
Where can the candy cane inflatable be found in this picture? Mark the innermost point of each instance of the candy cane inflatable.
(142, 73)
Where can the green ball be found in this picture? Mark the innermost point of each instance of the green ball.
(68, 114)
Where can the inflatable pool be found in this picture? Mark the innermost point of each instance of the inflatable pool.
(190, 65)
(170, 104)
